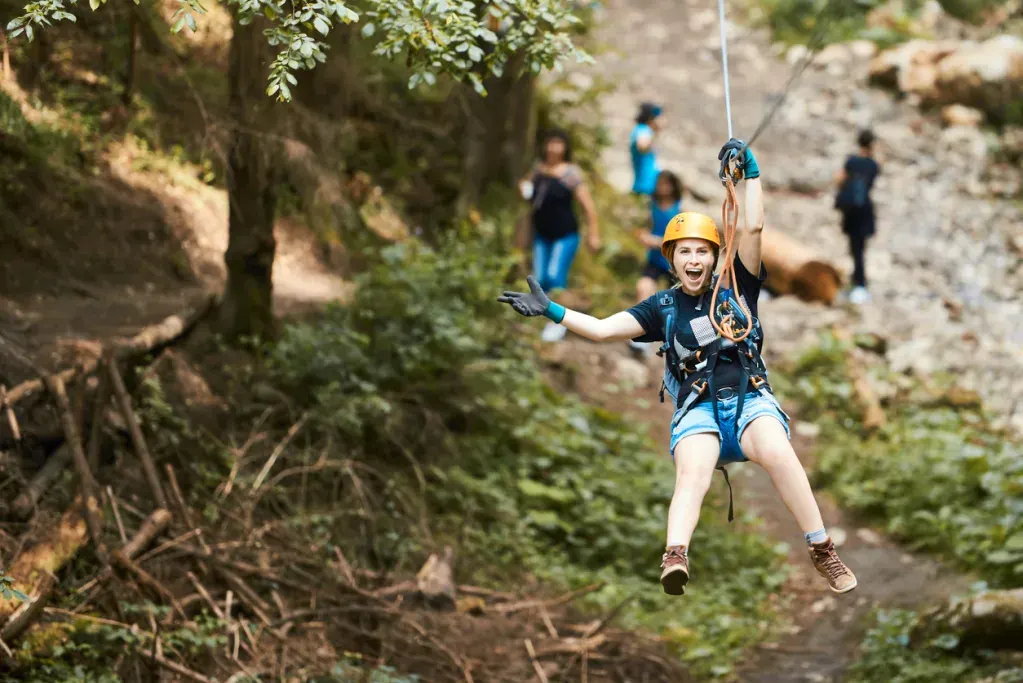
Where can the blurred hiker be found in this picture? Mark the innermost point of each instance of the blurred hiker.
(641, 147)
(552, 188)
(725, 409)
(665, 205)
(855, 181)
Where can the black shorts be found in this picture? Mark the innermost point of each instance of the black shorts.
(654, 273)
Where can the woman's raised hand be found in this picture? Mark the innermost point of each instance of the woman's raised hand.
(532, 304)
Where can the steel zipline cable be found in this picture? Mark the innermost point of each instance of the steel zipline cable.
(726, 326)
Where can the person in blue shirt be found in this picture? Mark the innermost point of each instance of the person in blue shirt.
(665, 205)
(641, 147)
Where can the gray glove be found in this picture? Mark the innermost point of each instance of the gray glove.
(532, 304)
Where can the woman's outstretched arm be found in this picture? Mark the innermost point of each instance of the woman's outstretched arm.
(619, 326)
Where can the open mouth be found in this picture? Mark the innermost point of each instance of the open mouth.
(694, 274)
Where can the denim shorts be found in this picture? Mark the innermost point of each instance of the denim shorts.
(700, 420)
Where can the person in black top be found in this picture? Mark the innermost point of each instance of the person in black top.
(552, 188)
(725, 410)
(855, 181)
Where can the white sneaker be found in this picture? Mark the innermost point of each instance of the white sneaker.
(553, 332)
(859, 296)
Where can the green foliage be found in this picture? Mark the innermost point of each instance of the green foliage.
(453, 37)
(888, 654)
(937, 476)
(8, 591)
(423, 363)
(82, 651)
(796, 21)
(970, 10)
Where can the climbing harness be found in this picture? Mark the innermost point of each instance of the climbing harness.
(731, 323)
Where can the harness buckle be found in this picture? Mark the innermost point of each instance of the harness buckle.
(757, 381)
(700, 386)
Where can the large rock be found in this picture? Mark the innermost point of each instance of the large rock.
(960, 115)
(986, 75)
(911, 67)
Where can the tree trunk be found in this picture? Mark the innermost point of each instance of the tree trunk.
(793, 268)
(247, 307)
(487, 137)
(522, 121)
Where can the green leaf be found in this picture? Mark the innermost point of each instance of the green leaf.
(1015, 542)
(28, 32)
(368, 29)
(534, 489)
(178, 25)
(15, 23)
(320, 25)
(19, 595)
(190, 20)
(1003, 557)
(94, 5)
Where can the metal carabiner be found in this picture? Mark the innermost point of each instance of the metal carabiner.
(732, 166)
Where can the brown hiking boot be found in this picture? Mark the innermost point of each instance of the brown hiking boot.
(675, 570)
(825, 561)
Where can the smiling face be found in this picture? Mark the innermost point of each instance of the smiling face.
(693, 261)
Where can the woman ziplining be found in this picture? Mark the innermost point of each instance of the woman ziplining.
(725, 410)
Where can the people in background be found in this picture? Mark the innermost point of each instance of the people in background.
(665, 204)
(649, 121)
(855, 181)
(553, 188)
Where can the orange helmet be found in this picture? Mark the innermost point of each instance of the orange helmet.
(689, 224)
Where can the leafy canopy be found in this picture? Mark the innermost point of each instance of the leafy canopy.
(463, 39)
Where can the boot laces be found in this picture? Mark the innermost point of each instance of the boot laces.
(828, 558)
(673, 553)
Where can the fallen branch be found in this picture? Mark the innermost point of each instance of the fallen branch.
(25, 504)
(147, 580)
(792, 268)
(573, 646)
(96, 430)
(33, 568)
(277, 452)
(91, 506)
(206, 595)
(529, 604)
(536, 665)
(141, 449)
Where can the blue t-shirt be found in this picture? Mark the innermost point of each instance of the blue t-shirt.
(644, 164)
(661, 218)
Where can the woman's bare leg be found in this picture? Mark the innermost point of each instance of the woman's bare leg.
(696, 457)
(765, 443)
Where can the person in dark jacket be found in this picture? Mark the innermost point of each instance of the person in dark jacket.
(855, 181)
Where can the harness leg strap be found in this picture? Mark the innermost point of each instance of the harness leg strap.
(731, 505)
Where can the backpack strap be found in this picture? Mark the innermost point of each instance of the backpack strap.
(667, 302)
